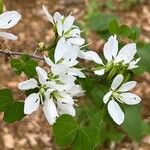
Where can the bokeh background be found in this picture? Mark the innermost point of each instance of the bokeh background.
(33, 132)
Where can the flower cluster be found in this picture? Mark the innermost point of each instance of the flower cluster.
(56, 88)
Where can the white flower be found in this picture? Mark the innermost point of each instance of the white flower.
(65, 67)
(8, 20)
(120, 93)
(69, 35)
(125, 56)
(54, 93)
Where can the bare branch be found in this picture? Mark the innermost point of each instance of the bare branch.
(9, 54)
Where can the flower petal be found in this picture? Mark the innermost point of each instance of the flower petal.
(99, 72)
(76, 72)
(59, 28)
(130, 98)
(66, 109)
(60, 50)
(76, 41)
(107, 96)
(50, 111)
(49, 17)
(9, 19)
(57, 17)
(127, 86)
(32, 103)
(76, 90)
(133, 64)
(29, 84)
(117, 82)
(59, 69)
(8, 36)
(68, 23)
(115, 112)
(71, 54)
(91, 55)
(42, 75)
(110, 49)
(48, 61)
(126, 53)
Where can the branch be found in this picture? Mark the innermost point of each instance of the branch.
(9, 54)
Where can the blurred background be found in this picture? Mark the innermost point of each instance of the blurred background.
(33, 132)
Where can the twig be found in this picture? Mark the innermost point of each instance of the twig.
(9, 54)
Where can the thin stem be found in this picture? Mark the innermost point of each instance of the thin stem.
(9, 54)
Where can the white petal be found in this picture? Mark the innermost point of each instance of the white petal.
(76, 90)
(66, 109)
(59, 69)
(57, 17)
(107, 96)
(75, 32)
(50, 111)
(47, 93)
(127, 86)
(49, 17)
(115, 112)
(71, 54)
(127, 53)
(54, 86)
(42, 75)
(59, 28)
(8, 36)
(29, 84)
(9, 19)
(99, 72)
(91, 55)
(76, 41)
(76, 72)
(133, 64)
(117, 82)
(48, 61)
(130, 98)
(32, 103)
(110, 48)
(60, 50)
(67, 25)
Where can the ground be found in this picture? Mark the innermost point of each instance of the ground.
(33, 132)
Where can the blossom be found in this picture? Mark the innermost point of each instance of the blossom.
(8, 20)
(68, 34)
(54, 93)
(65, 67)
(125, 57)
(119, 92)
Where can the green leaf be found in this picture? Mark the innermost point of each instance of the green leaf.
(16, 64)
(6, 99)
(113, 134)
(143, 52)
(146, 128)
(65, 130)
(86, 138)
(29, 68)
(24, 64)
(1, 6)
(81, 141)
(99, 21)
(25, 57)
(124, 31)
(133, 123)
(14, 112)
(113, 27)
